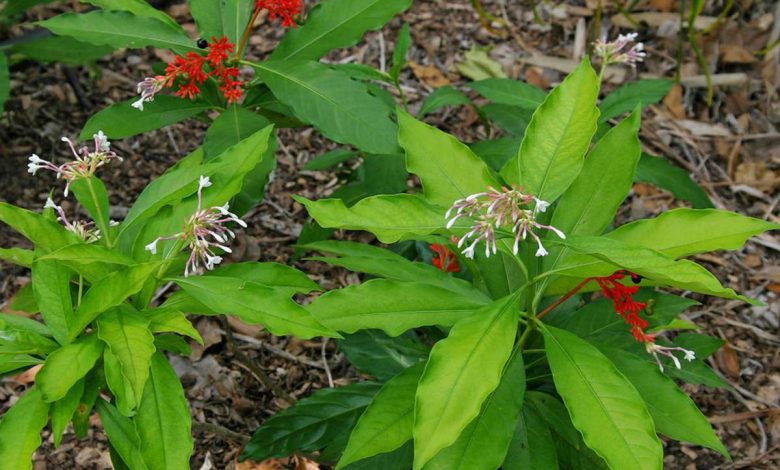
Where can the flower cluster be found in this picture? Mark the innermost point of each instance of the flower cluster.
(85, 164)
(284, 9)
(85, 230)
(187, 73)
(205, 230)
(493, 210)
(444, 258)
(618, 51)
(628, 308)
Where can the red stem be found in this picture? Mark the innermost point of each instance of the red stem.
(564, 298)
(245, 36)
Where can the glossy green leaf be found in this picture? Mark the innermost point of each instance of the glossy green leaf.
(66, 366)
(254, 303)
(663, 174)
(342, 109)
(328, 160)
(121, 120)
(674, 413)
(402, 44)
(44, 233)
(277, 276)
(63, 409)
(532, 445)
(217, 18)
(231, 127)
(10, 363)
(168, 320)
(496, 152)
(89, 260)
(20, 6)
(91, 193)
(136, 7)
(391, 306)
(387, 422)
(20, 430)
(551, 155)
(628, 96)
(448, 169)
(602, 403)
(440, 98)
(126, 333)
(311, 423)
(512, 119)
(462, 371)
(17, 256)
(376, 353)
(60, 49)
(18, 338)
(110, 291)
(510, 92)
(391, 218)
(121, 434)
(120, 29)
(646, 262)
(485, 441)
(335, 24)
(51, 287)
(163, 420)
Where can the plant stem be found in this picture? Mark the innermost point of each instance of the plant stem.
(564, 298)
(245, 36)
(526, 334)
(81, 289)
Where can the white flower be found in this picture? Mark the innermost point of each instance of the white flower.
(203, 182)
(139, 105)
(541, 251)
(541, 206)
(49, 204)
(152, 247)
(690, 355)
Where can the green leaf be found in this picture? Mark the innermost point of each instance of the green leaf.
(485, 442)
(532, 445)
(511, 119)
(46, 234)
(168, 320)
(376, 353)
(334, 24)
(399, 53)
(120, 29)
(122, 435)
(646, 262)
(20, 6)
(66, 366)
(163, 421)
(121, 120)
(17, 256)
(5, 81)
(551, 155)
(391, 218)
(60, 49)
(93, 385)
(63, 409)
(16, 338)
(277, 276)
(20, 430)
(51, 287)
(602, 403)
(89, 260)
(509, 92)
(387, 422)
(441, 97)
(312, 423)
(230, 128)
(110, 291)
(674, 413)
(461, 373)
(328, 160)
(342, 109)
(126, 333)
(364, 258)
(235, 15)
(391, 306)
(661, 173)
(10, 363)
(496, 152)
(448, 169)
(633, 94)
(91, 193)
(477, 65)
(136, 7)
(254, 303)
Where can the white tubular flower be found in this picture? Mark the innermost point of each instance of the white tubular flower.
(85, 230)
(85, 162)
(205, 230)
(508, 208)
(149, 87)
(618, 51)
(655, 350)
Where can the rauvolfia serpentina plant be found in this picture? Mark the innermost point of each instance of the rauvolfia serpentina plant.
(554, 342)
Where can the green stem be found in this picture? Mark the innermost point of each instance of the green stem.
(81, 290)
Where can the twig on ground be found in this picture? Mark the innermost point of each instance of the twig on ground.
(221, 431)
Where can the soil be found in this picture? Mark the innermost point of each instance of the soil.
(731, 148)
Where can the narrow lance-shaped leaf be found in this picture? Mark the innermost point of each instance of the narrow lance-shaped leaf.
(20, 430)
(532, 445)
(91, 193)
(136, 7)
(336, 23)
(163, 421)
(51, 287)
(551, 154)
(632, 94)
(66, 366)
(602, 403)
(461, 372)
(376, 353)
(121, 434)
(44, 233)
(63, 409)
(402, 44)
(484, 443)
(448, 169)
(509, 92)
(387, 422)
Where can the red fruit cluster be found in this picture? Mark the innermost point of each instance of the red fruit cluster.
(624, 304)
(284, 9)
(190, 70)
(444, 258)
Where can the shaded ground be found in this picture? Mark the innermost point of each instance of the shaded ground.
(732, 148)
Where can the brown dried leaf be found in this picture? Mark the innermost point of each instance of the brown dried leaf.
(673, 102)
(429, 74)
(734, 54)
(729, 361)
